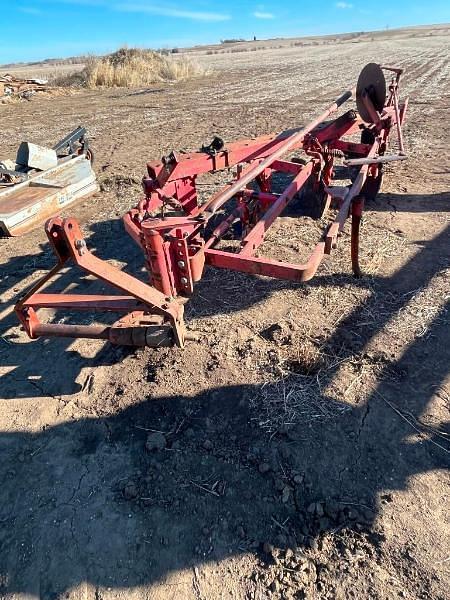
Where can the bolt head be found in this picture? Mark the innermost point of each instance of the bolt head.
(181, 264)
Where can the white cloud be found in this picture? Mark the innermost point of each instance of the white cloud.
(344, 5)
(171, 11)
(156, 7)
(259, 14)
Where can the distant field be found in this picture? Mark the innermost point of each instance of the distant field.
(42, 71)
(203, 53)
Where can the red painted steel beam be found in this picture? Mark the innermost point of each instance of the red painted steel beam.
(131, 227)
(286, 166)
(266, 266)
(214, 203)
(84, 302)
(196, 163)
(353, 192)
(223, 227)
(263, 266)
(346, 124)
(115, 277)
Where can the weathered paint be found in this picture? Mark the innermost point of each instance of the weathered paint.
(27, 204)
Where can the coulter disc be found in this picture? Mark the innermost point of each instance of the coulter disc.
(371, 80)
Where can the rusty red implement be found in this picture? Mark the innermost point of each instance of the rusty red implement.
(179, 235)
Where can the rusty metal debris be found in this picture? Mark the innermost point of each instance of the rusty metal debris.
(11, 86)
(41, 181)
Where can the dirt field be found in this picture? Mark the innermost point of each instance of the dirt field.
(304, 442)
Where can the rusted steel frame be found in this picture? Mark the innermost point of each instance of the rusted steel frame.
(197, 163)
(266, 266)
(393, 105)
(24, 309)
(158, 267)
(131, 227)
(173, 247)
(286, 145)
(393, 87)
(237, 214)
(403, 109)
(68, 242)
(81, 302)
(303, 272)
(165, 178)
(155, 300)
(110, 274)
(256, 236)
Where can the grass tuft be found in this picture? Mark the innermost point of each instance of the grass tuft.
(132, 67)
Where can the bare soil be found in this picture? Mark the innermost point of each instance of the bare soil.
(301, 448)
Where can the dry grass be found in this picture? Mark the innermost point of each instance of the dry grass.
(132, 67)
(292, 400)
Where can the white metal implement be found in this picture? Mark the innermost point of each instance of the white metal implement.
(43, 194)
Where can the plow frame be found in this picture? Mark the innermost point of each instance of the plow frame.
(150, 319)
(177, 242)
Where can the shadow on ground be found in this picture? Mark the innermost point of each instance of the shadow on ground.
(85, 500)
(26, 378)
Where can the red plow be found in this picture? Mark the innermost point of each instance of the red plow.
(179, 235)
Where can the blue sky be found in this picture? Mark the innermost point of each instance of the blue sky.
(38, 29)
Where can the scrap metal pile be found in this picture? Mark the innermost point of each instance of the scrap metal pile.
(179, 235)
(11, 86)
(41, 181)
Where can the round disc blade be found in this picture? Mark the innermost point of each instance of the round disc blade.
(371, 80)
